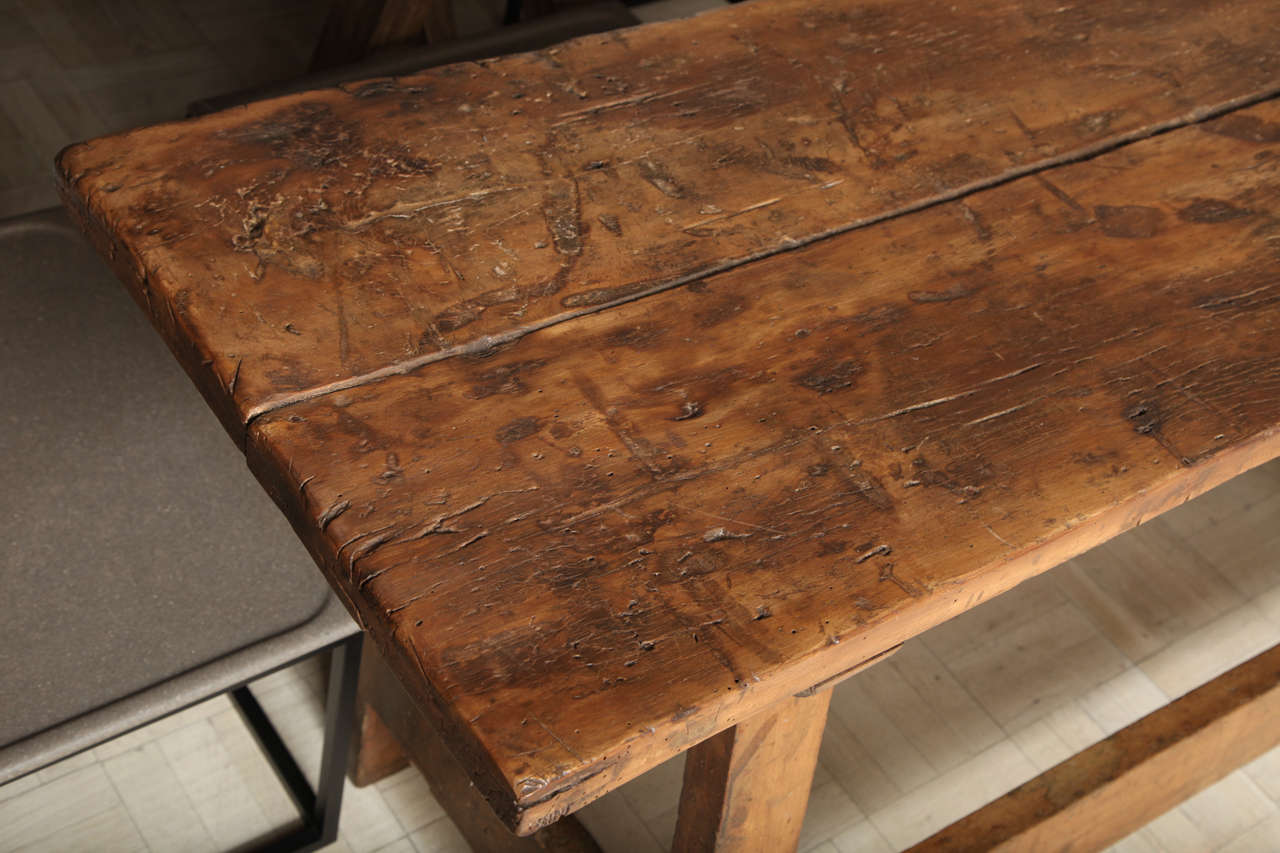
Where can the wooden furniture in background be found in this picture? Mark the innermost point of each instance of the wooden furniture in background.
(355, 28)
(625, 390)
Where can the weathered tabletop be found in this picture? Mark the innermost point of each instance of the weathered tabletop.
(627, 388)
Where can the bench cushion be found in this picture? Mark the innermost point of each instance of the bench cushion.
(136, 546)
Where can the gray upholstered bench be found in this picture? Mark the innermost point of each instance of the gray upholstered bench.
(142, 569)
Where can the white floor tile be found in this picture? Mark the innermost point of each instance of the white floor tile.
(656, 791)
(157, 802)
(1227, 641)
(1230, 807)
(830, 812)
(56, 806)
(206, 772)
(339, 846)
(616, 826)
(1265, 773)
(862, 837)
(367, 822)
(1020, 674)
(1058, 735)
(824, 847)
(439, 836)
(1174, 832)
(954, 794)
(877, 733)
(409, 798)
(1268, 604)
(1141, 841)
(400, 845)
(110, 831)
(253, 768)
(1262, 838)
(1122, 700)
(856, 769)
(930, 707)
(19, 787)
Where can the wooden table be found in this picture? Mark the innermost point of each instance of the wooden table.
(626, 391)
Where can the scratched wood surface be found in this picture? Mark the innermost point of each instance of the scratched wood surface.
(746, 788)
(329, 237)
(592, 548)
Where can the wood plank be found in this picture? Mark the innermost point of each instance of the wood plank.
(450, 782)
(746, 788)
(323, 239)
(599, 545)
(1099, 796)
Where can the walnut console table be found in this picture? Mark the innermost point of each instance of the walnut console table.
(633, 392)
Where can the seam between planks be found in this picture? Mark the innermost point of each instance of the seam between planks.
(488, 343)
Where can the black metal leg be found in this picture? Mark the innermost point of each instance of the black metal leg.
(320, 809)
(339, 722)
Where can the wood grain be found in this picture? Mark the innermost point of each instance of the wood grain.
(375, 753)
(325, 239)
(450, 782)
(1099, 796)
(588, 550)
(746, 788)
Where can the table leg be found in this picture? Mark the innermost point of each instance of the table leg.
(396, 729)
(375, 753)
(746, 788)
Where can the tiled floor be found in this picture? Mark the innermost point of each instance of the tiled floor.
(958, 717)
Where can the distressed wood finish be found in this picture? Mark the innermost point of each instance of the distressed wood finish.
(1099, 796)
(746, 788)
(327, 238)
(449, 780)
(593, 548)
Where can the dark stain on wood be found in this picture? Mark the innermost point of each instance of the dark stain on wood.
(518, 429)
(1133, 221)
(828, 376)
(924, 297)
(640, 336)
(1208, 211)
(506, 378)
(1247, 128)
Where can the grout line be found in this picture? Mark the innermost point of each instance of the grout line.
(164, 753)
(486, 344)
(124, 806)
(186, 792)
(871, 757)
(79, 819)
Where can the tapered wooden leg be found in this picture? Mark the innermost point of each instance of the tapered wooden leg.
(375, 753)
(746, 788)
